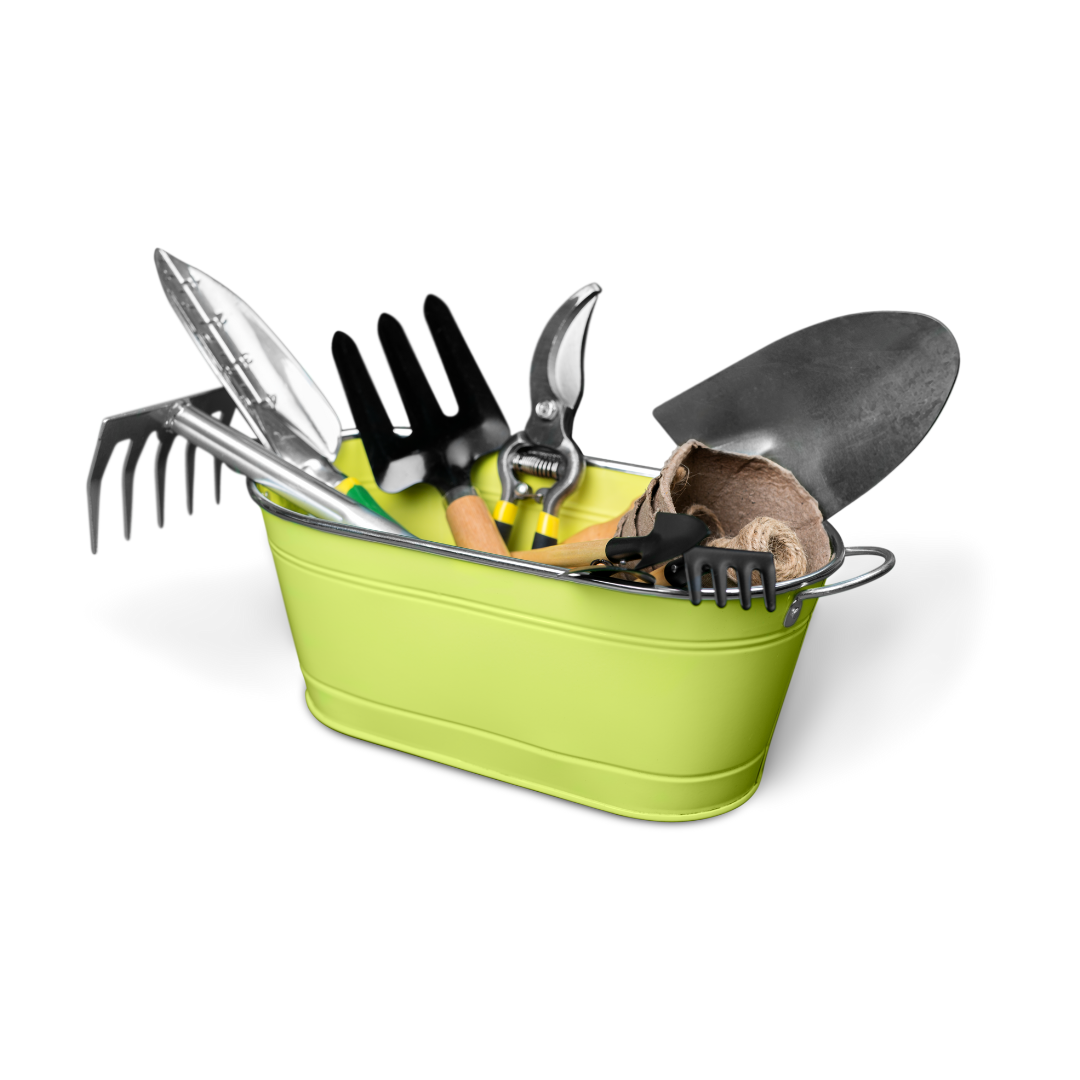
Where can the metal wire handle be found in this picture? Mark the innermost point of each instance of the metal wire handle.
(888, 561)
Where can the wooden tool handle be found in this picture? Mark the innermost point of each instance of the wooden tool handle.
(473, 527)
(567, 555)
(603, 530)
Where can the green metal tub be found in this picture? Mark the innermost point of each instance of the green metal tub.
(648, 706)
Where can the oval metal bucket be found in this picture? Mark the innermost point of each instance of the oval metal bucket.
(626, 699)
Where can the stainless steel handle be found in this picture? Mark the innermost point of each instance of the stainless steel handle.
(888, 561)
(248, 457)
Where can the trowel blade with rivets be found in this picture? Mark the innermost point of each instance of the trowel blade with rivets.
(286, 410)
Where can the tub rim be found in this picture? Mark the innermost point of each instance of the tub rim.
(520, 566)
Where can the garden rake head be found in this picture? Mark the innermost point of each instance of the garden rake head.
(135, 428)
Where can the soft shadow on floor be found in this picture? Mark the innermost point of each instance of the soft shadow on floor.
(228, 627)
(877, 661)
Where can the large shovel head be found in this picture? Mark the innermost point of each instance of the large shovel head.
(840, 404)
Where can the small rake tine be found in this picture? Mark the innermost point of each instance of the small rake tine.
(165, 441)
(226, 418)
(189, 476)
(718, 567)
(367, 408)
(131, 459)
(93, 500)
(474, 396)
(768, 580)
(697, 562)
(744, 574)
(745, 564)
(102, 453)
(693, 576)
(420, 403)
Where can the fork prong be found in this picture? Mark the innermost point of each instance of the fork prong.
(420, 403)
(474, 396)
(131, 459)
(165, 441)
(369, 415)
(189, 476)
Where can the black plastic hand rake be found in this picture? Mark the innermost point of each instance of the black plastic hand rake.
(135, 428)
(440, 449)
(688, 573)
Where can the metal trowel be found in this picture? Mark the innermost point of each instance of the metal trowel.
(286, 410)
(840, 404)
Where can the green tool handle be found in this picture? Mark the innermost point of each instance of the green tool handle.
(352, 488)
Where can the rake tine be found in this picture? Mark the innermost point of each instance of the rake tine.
(165, 441)
(744, 575)
(702, 560)
(367, 408)
(693, 576)
(131, 459)
(470, 388)
(420, 403)
(768, 580)
(93, 500)
(226, 419)
(189, 476)
(135, 428)
(718, 569)
(93, 483)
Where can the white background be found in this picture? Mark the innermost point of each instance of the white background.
(201, 880)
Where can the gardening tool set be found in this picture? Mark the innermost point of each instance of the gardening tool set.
(415, 561)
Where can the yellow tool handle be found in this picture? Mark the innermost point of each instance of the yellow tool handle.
(547, 531)
(504, 514)
(473, 526)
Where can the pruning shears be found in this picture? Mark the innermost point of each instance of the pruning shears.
(546, 447)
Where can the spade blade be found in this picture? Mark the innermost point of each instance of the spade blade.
(840, 404)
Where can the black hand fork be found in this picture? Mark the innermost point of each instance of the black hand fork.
(440, 449)
(689, 571)
(136, 428)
